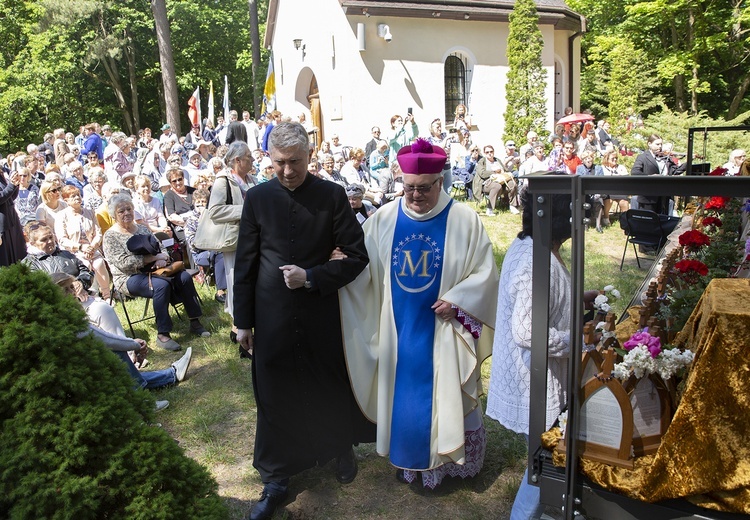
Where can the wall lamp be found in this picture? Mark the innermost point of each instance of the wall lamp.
(299, 45)
(385, 32)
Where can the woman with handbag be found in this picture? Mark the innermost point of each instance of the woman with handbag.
(224, 211)
(129, 276)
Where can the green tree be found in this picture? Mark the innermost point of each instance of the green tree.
(697, 50)
(70, 63)
(526, 80)
(78, 441)
(611, 88)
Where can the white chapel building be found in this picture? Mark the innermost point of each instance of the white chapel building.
(351, 64)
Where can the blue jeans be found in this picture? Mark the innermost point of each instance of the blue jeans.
(177, 289)
(151, 379)
(526, 505)
(204, 259)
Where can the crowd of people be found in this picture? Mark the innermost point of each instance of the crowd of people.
(365, 294)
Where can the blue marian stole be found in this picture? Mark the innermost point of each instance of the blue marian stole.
(416, 272)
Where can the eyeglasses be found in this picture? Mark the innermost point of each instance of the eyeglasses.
(176, 181)
(419, 189)
(489, 151)
(55, 190)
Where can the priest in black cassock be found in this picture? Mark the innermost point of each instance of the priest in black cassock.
(299, 243)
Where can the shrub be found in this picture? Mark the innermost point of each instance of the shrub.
(77, 439)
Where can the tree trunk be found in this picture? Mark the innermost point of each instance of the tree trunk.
(694, 88)
(134, 108)
(168, 76)
(110, 65)
(679, 79)
(255, 45)
(734, 106)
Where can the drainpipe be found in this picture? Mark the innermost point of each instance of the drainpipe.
(571, 39)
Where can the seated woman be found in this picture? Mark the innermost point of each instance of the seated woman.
(92, 192)
(52, 204)
(205, 258)
(127, 271)
(77, 231)
(44, 255)
(106, 326)
(28, 197)
(178, 201)
(149, 207)
(611, 166)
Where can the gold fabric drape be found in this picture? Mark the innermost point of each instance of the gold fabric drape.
(705, 454)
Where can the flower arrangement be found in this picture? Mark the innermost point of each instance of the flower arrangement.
(644, 355)
(601, 302)
(713, 251)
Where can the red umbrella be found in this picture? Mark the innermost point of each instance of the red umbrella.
(575, 118)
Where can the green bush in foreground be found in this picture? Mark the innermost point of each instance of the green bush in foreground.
(77, 440)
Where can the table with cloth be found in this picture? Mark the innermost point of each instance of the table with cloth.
(705, 454)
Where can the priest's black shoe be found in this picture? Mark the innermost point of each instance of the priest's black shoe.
(273, 494)
(400, 476)
(346, 467)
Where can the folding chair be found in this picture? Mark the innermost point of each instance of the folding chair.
(458, 189)
(116, 294)
(645, 228)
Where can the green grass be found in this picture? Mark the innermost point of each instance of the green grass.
(212, 416)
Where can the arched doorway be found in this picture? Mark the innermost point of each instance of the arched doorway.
(308, 95)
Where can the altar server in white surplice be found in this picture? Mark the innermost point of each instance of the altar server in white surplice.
(418, 325)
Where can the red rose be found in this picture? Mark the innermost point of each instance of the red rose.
(712, 221)
(694, 239)
(717, 203)
(687, 266)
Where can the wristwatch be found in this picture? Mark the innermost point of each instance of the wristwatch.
(307, 284)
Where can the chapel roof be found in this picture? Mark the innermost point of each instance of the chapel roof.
(553, 12)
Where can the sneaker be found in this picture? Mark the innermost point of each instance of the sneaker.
(198, 329)
(489, 213)
(181, 365)
(170, 344)
(514, 210)
(161, 405)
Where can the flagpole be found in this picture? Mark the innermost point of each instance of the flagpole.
(226, 101)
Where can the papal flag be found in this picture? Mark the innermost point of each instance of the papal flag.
(194, 110)
(269, 90)
(210, 115)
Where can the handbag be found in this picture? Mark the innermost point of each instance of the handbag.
(212, 236)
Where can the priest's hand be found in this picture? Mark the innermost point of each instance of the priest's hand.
(444, 310)
(338, 254)
(245, 339)
(294, 276)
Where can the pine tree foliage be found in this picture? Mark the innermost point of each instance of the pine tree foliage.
(77, 440)
(526, 80)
